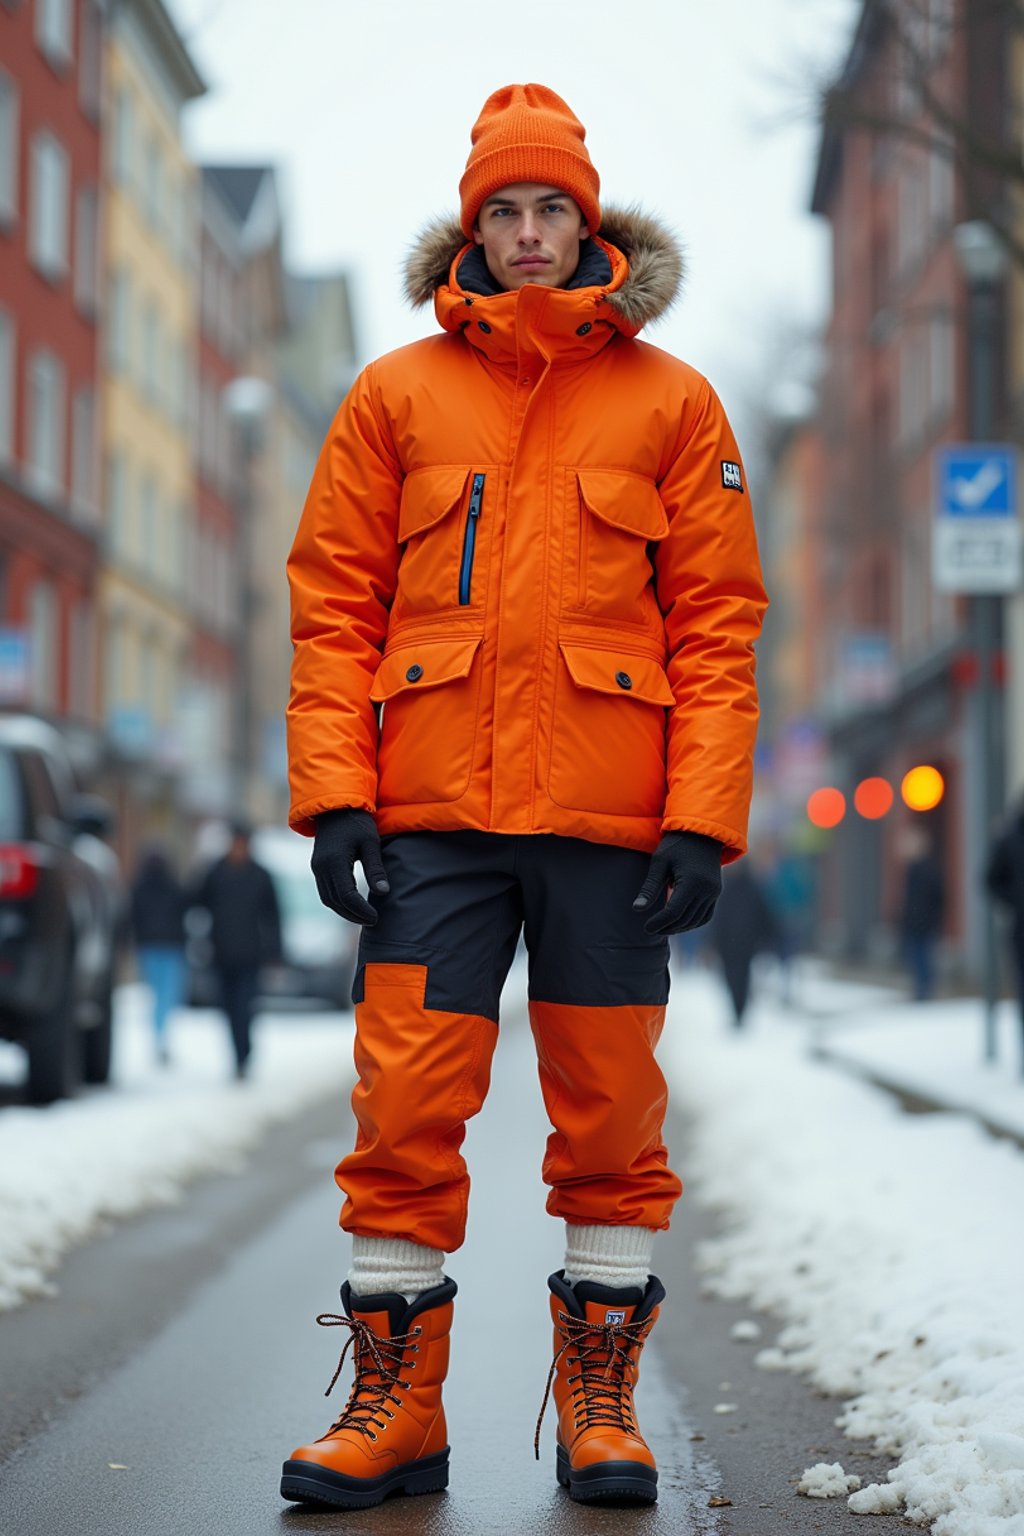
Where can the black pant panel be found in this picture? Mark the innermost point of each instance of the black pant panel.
(455, 907)
(459, 899)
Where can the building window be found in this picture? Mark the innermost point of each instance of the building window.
(83, 453)
(90, 61)
(7, 390)
(942, 349)
(117, 504)
(153, 179)
(82, 659)
(115, 663)
(912, 213)
(48, 205)
(119, 322)
(46, 423)
(941, 188)
(123, 137)
(86, 251)
(53, 30)
(149, 530)
(8, 149)
(150, 359)
(42, 629)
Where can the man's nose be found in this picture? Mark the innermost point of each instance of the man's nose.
(529, 233)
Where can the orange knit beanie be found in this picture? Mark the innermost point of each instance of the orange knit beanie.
(527, 133)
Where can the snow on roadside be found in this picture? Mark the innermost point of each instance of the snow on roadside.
(891, 1247)
(67, 1170)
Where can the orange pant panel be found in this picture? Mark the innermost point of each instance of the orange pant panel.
(606, 1097)
(422, 1073)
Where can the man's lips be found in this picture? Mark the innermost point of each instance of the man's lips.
(531, 261)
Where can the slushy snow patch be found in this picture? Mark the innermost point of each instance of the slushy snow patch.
(745, 1332)
(66, 1171)
(890, 1246)
(826, 1480)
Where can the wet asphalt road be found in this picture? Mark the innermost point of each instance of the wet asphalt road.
(160, 1392)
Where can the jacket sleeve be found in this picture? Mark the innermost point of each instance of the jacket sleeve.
(711, 594)
(342, 573)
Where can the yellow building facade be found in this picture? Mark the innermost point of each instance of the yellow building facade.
(150, 247)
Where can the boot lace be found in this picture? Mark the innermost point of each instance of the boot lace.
(606, 1359)
(377, 1364)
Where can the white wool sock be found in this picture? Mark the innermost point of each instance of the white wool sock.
(616, 1256)
(390, 1264)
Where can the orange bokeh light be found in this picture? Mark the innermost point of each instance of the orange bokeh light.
(826, 807)
(873, 798)
(923, 787)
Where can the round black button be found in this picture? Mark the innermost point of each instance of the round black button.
(414, 673)
(623, 679)
(581, 330)
(484, 326)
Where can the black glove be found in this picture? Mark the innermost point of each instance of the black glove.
(692, 865)
(341, 838)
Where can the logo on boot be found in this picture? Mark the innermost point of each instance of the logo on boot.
(615, 1317)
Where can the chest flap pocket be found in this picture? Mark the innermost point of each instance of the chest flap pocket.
(619, 516)
(444, 527)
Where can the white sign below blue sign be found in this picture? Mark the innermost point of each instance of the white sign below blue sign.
(977, 543)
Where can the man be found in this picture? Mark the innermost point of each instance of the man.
(525, 595)
(1004, 875)
(245, 933)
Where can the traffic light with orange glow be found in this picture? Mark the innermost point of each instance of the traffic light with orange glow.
(922, 788)
(873, 798)
(826, 807)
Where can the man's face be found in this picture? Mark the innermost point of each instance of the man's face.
(530, 234)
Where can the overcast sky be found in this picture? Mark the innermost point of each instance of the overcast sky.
(693, 108)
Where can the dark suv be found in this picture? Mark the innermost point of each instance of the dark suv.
(61, 913)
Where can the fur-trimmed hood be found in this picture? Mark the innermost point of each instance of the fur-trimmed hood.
(648, 291)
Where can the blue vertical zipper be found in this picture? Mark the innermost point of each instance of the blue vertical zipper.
(476, 498)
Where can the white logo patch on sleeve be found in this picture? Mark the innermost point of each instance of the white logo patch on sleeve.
(615, 1317)
(732, 475)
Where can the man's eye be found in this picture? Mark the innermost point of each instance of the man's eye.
(555, 208)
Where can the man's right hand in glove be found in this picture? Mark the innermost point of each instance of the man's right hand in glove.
(340, 839)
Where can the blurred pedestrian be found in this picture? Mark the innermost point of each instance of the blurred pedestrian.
(245, 933)
(744, 926)
(1005, 878)
(922, 911)
(529, 540)
(157, 917)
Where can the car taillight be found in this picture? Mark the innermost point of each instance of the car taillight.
(19, 870)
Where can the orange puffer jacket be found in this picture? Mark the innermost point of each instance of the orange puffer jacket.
(525, 585)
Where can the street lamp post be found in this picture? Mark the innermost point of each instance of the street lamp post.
(982, 259)
(247, 401)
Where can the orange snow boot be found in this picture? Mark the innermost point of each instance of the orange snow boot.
(391, 1436)
(599, 1333)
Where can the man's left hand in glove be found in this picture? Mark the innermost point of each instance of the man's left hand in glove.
(691, 865)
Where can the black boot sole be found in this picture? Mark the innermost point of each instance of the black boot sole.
(617, 1482)
(306, 1483)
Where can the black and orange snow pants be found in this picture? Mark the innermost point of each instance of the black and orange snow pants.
(428, 981)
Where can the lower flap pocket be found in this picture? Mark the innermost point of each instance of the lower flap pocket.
(428, 664)
(618, 672)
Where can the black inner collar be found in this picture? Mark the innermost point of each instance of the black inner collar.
(594, 270)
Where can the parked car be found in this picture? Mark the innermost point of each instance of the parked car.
(61, 913)
(318, 947)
